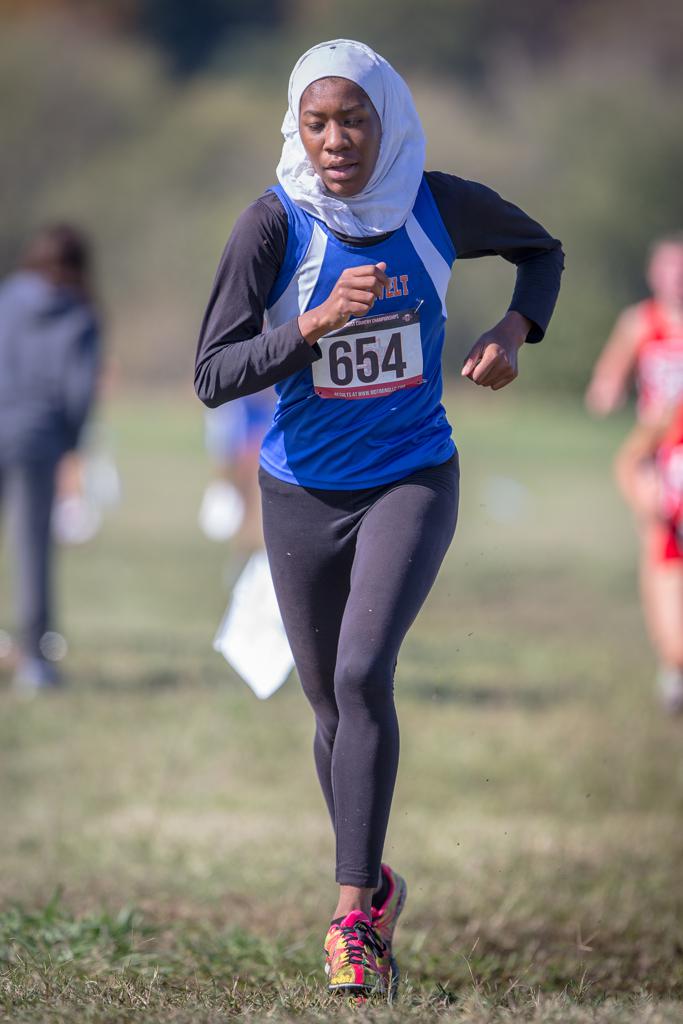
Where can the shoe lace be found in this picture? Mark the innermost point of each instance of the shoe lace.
(354, 938)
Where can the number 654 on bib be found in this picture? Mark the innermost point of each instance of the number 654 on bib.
(370, 357)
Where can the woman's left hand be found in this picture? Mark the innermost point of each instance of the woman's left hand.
(492, 360)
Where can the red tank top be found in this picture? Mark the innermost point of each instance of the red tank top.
(659, 362)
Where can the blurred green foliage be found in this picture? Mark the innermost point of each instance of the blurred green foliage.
(153, 124)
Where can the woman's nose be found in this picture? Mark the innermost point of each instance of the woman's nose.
(335, 137)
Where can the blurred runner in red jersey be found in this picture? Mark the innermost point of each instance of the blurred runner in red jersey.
(646, 347)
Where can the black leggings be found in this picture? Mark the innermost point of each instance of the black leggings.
(351, 571)
(28, 488)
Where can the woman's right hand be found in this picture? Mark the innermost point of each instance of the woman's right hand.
(353, 295)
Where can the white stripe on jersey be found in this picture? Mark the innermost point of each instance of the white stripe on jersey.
(297, 295)
(433, 261)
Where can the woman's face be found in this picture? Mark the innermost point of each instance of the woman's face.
(665, 273)
(341, 132)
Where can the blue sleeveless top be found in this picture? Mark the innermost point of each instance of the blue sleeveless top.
(369, 411)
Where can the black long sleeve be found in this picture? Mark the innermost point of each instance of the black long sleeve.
(235, 356)
(481, 223)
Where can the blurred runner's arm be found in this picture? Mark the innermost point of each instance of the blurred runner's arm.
(235, 356)
(481, 223)
(81, 372)
(609, 382)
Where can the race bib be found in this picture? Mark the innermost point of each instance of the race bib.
(370, 357)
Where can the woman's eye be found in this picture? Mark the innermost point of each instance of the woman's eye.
(315, 127)
(353, 122)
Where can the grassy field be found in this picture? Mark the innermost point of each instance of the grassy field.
(164, 852)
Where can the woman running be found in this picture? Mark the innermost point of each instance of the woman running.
(332, 287)
(646, 346)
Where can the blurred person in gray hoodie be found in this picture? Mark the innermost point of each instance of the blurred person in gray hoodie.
(49, 363)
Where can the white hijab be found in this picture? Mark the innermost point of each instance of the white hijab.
(387, 199)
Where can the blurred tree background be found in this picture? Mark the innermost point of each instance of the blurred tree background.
(154, 122)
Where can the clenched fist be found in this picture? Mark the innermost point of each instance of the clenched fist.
(354, 294)
(492, 360)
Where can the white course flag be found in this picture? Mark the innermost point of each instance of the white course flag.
(251, 636)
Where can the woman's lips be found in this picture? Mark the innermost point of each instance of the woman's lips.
(342, 172)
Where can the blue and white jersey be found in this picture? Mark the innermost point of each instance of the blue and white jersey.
(369, 411)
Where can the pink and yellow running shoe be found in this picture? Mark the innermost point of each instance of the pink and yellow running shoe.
(384, 918)
(357, 961)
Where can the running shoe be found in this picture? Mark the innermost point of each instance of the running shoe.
(384, 918)
(357, 961)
